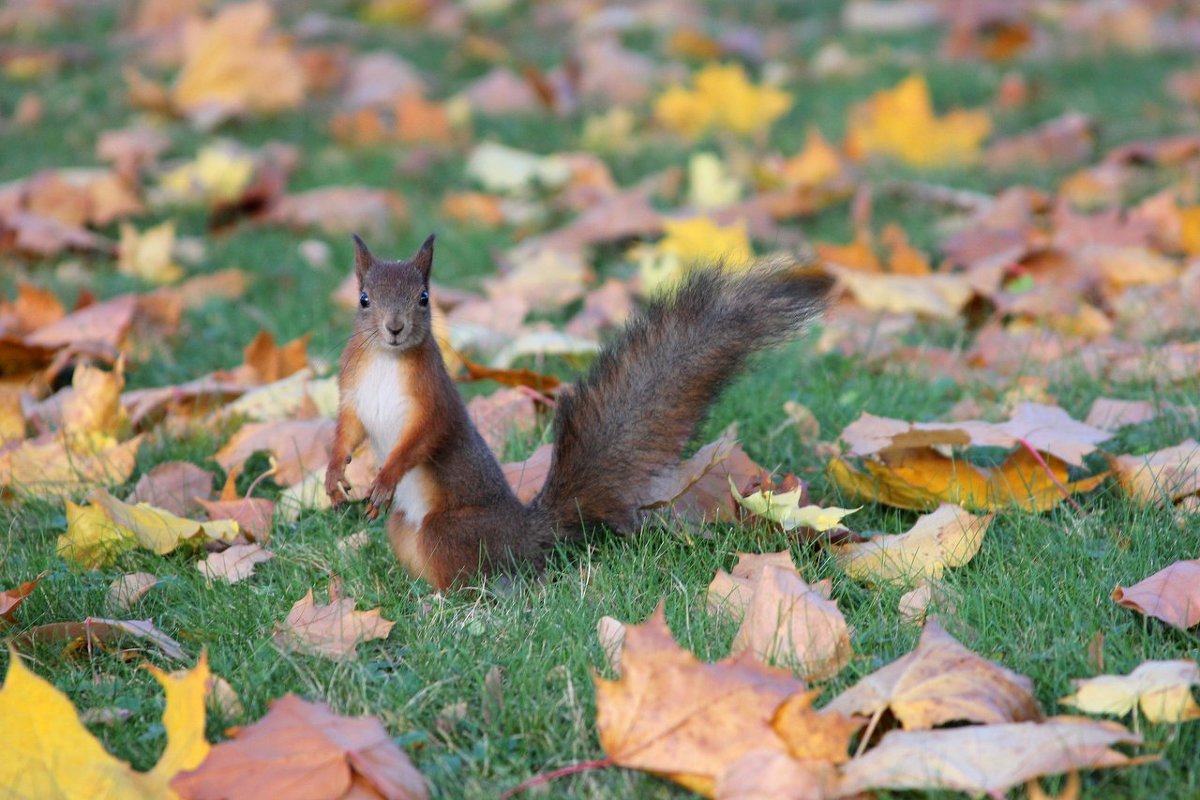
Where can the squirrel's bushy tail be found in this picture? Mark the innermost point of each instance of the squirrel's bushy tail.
(630, 418)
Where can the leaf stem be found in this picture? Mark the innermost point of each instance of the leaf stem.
(546, 777)
(1054, 478)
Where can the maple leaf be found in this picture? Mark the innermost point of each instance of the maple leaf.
(1163, 689)
(710, 184)
(941, 682)
(938, 296)
(234, 64)
(1171, 594)
(697, 490)
(948, 537)
(771, 775)
(11, 599)
(785, 508)
(672, 714)
(786, 620)
(333, 631)
(219, 174)
(1162, 476)
(723, 99)
(174, 486)
(298, 446)
(94, 631)
(304, 747)
(986, 759)
(49, 752)
(129, 588)
(900, 123)
(235, 563)
(689, 243)
(148, 255)
(98, 533)
(62, 466)
(817, 164)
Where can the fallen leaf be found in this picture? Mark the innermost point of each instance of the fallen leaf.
(95, 630)
(1163, 689)
(302, 744)
(690, 243)
(785, 509)
(129, 588)
(501, 415)
(149, 255)
(697, 491)
(948, 537)
(11, 599)
(813, 735)
(527, 477)
(59, 466)
(900, 123)
(98, 533)
(339, 210)
(941, 682)
(298, 446)
(771, 775)
(671, 714)
(988, 759)
(174, 486)
(333, 630)
(235, 563)
(787, 621)
(63, 760)
(1172, 594)
(1110, 414)
(1162, 476)
(938, 296)
(722, 99)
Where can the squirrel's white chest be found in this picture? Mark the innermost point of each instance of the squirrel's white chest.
(383, 400)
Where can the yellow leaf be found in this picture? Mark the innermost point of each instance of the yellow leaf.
(688, 243)
(900, 123)
(949, 537)
(94, 404)
(710, 185)
(147, 255)
(68, 464)
(1162, 688)
(97, 534)
(785, 508)
(817, 164)
(183, 719)
(235, 63)
(219, 174)
(48, 753)
(723, 99)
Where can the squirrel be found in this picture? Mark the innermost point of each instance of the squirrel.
(453, 515)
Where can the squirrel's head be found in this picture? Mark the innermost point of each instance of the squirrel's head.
(393, 299)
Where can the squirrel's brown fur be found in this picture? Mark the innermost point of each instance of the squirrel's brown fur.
(623, 425)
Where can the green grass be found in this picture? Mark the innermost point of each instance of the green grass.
(1033, 598)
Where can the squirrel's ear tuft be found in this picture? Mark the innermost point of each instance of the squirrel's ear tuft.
(362, 259)
(423, 260)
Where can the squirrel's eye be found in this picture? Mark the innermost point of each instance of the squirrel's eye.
(424, 299)
(363, 300)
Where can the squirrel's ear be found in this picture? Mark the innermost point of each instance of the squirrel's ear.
(423, 260)
(362, 259)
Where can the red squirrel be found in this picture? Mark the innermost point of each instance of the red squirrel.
(454, 516)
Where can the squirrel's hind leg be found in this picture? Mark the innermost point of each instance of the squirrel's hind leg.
(453, 546)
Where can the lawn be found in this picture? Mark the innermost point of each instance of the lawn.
(489, 685)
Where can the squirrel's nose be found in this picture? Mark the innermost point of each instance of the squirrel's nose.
(397, 330)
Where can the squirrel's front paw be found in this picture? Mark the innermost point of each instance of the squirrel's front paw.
(336, 485)
(380, 495)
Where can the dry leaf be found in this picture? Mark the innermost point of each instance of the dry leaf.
(298, 447)
(788, 621)
(63, 760)
(771, 775)
(1171, 594)
(1163, 689)
(235, 563)
(948, 537)
(813, 735)
(97, 631)
(11, 599)
(302, 744)
(174, 486)
(339, 210)
(723, 99)
(697, 491)
(129, 588)
(941, 682)
(785, 509)
(671, 714)
(987, 759)
(1162, 476)
(333, 631)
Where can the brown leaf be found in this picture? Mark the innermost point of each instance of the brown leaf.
(338, 210)
(1162, 476)
(299, 446)
(1059, 142)
(987, 759)
(333, 631)
(235, 563)
(697, 490)
(271, 362)
(732, 592)
(813, 735)
(105, 632)
(527, 477)
(301, 744)
(1110, 414)
(254, 515)
(787, 621)
(940, 682)
(538, 381)
(771, 775)
(672, 714)
(129, 588)
(1171, 594)
(1048, 429)
(11, 599)
(176, 486)
(502, 414)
